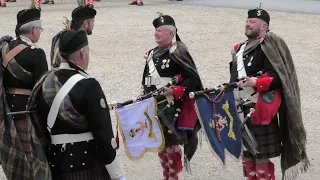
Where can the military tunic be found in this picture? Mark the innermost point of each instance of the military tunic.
(87, 159)
(168, 68)
(267, 136)
(33, 60)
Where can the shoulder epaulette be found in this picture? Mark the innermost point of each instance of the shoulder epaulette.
(238, 45)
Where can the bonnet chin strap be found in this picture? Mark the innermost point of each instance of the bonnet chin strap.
(177, 36)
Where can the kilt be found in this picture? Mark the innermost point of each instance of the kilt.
(18, 103)
(23, 133)
(98, 172)
(267, 137)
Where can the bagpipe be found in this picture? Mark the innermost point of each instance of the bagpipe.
(138, 121)
(221, 120)
(154, 93)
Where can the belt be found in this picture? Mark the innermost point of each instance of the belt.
(71, 138)
(18, 91)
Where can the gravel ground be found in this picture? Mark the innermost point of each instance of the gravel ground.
(124, 33)
(293, 6)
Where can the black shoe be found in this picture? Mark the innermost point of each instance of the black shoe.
(140, 4)
(46, 2)
(133, 3)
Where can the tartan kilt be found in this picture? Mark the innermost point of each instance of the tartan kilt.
(21, 124)
(268, 139)
(98, 172)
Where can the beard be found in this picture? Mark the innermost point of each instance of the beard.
(252, 33)
(89, 31)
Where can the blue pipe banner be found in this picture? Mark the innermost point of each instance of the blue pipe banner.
(219, 119)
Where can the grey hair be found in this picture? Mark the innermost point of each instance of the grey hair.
(171, 29)
(27, 28)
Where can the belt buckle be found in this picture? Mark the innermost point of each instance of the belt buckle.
(148, 81)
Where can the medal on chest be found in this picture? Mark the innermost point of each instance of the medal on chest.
(165, 63)
(249, 63)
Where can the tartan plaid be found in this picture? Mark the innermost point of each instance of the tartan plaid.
(50, 86)
(22, 130)
(268, 139)
(16, 163)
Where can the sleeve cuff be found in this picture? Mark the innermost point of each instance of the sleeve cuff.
(263, 84)
(178, 92)
(115, 169)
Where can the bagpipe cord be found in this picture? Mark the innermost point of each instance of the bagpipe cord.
(214, 118)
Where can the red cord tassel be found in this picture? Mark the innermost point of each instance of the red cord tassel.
(117, 137)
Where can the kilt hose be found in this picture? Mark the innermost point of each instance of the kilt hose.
(171, 163)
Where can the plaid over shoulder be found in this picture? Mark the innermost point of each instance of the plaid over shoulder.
(16, 163)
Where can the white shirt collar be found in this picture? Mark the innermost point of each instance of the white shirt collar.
(28, 41)
(65, 65)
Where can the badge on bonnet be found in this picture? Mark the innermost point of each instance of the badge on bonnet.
(259, 13)
(161, 19)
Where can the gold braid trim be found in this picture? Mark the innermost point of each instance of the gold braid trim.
(146, 149)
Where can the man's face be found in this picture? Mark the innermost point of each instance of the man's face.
(163, 35)
(253, 28)
(89, 26)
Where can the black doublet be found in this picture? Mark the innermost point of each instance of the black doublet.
(32, 60)
(86, 97)
(254, 62)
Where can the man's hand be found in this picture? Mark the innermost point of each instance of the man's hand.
(223, 88)
(167, 91)
(247, 82)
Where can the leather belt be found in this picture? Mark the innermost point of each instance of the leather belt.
(18, 91)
